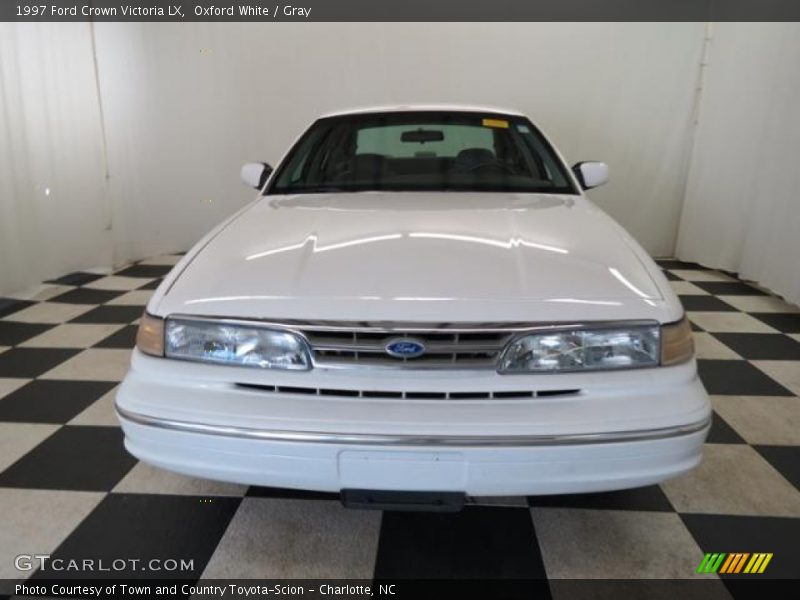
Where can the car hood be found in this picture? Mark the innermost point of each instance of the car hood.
(413, 256)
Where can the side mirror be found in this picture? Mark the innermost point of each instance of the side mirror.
(255, 174)
(591, 174)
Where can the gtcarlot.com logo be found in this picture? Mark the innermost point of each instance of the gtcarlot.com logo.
(28, 562)
(734, 562)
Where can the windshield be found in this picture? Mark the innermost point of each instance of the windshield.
(422, 152)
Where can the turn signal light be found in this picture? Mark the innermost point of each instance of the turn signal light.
(677, 343)
(150, 337)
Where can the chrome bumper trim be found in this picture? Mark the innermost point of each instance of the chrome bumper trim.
(321, 437)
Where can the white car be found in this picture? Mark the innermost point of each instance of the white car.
(420, 305)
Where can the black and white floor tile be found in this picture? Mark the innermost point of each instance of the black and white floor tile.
(68, 488)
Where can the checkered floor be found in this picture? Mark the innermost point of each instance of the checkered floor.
(68, 487)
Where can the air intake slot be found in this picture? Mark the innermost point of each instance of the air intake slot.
(408, 395)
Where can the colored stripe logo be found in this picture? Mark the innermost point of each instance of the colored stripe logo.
(735, 562)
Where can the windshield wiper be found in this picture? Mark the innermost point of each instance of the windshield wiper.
(322, 189)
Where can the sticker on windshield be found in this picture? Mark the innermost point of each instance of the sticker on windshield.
(523, 129)
(499, 123)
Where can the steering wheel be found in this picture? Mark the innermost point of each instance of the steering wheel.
(492, 165)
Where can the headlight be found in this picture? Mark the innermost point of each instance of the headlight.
(581, 349)
(233, 343)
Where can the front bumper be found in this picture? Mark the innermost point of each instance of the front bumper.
(622, 430)
(478, 467)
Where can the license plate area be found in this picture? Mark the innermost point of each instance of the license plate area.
(402, 469)
(408, 501)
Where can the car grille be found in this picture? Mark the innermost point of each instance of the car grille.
(447, 346)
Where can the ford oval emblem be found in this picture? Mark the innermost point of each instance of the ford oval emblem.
(405, 348)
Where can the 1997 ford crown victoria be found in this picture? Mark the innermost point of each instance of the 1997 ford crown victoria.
(421, 305)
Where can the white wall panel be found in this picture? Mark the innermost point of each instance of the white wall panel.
(186, 104)
(742, 211)
(54, 211)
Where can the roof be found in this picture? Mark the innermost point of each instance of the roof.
(423, 108)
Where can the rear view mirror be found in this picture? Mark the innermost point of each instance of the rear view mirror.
(422, 135)
(255, 174)
(591, 174)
